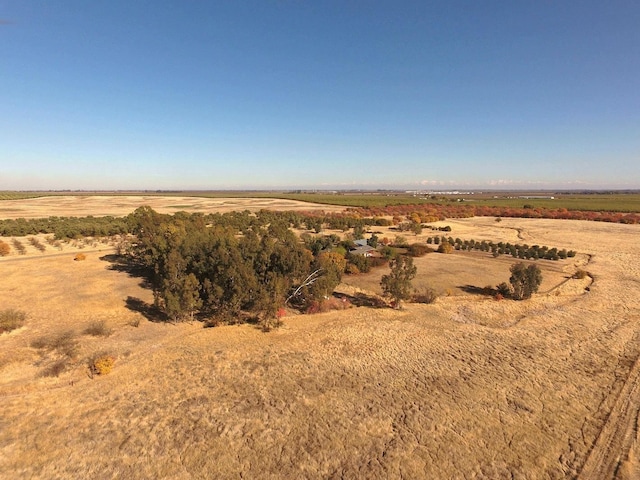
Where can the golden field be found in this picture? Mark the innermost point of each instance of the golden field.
(467, 387)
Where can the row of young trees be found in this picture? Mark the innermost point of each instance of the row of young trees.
(522, 251)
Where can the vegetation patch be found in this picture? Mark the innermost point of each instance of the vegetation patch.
(19, 247)
(522, 251)
(426, 295)
(64, 343)
(98, 328)
(11, 320)
(5, 249)
(101, 364)
(56, 368)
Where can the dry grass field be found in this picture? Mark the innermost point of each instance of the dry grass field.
(102, 205)
(467, 387)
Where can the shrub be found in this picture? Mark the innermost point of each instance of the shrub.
(504, 290)
(11, 320)
(4, 249)
(328, 304)
(64, 343)
(445, 247)
(352, 269)
(101, 364)
(418, 250)
(400, 240)
(20, 248)
(37, 244)
(98, 328)
(56, 368)
(580, 274)
(427, 295)
(377, 261)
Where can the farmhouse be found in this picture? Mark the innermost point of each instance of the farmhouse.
(361, 248)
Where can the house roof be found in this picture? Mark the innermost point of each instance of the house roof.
(362, 250)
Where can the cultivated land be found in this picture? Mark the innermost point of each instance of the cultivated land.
(467, 387)
(103, 205)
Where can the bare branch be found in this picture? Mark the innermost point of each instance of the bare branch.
(310, 280)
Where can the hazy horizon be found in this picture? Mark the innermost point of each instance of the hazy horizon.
(273, 95)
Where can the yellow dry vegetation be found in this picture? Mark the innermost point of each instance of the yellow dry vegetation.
(466, 387)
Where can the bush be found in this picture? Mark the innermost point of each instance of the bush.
(427, 295)
(19, 247)
(37, 244)
(580, 274)
(352, 269)
(328, 304)
(98, 329)
(11, 320)
(56, 368)
(4, 249)
(418, 249)
(504, 290)
(445, 247)
(64, 343)
(101, 364)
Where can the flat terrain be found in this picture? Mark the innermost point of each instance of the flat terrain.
(103, 205)
(468, 387)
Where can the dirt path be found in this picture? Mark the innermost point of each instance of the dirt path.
(618, 434)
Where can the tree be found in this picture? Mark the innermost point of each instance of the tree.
(525, 280)
(397, 284)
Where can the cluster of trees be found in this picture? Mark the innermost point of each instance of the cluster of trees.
(213, 268)
(64, 227)
(533, 252)
(433, 211)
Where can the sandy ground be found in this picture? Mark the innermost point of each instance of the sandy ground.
(465, 388)
(102, 205)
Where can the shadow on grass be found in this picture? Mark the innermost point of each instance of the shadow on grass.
(363, 300)
(485, 291)
(121, 263)
(147, 310)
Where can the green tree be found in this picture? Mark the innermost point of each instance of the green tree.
(525, 280)
(397, 284)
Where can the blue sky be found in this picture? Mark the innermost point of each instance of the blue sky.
(319, 94)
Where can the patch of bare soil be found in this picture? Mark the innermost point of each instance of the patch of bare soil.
(467, 387)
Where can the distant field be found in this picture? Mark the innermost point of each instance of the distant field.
(20, 195)
(599, 202)
(589, 202)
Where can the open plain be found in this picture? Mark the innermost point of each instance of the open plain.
(467, 387)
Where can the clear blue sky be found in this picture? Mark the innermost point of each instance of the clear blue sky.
(326, 94)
